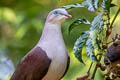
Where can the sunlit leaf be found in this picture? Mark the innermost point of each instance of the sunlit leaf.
(78, 22)
(92, 44)
(95, 30)
(91, 4)
(77, 5)
(21, 32)
(106, 4)
(80, 42)
(97, 22)
(94, 38)
(8, 14)
(90, 50)
(96, 3)
(112, 5)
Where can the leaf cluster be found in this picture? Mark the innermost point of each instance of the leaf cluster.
(92, 37)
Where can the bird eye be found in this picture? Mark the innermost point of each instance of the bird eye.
(56, 12)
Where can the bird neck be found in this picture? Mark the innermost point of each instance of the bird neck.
(51, 31)
(52, 25)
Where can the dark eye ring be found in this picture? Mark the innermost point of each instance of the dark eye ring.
(56, 12)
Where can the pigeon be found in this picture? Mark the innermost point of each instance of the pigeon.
(49, 59)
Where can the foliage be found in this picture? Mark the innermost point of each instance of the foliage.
(95, 39)
(79, 45)
(20, 29)
(21, 26)
(78, 22)
(96, 26)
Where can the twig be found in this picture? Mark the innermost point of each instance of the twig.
(109, 42)
(95, 70)
(90, 67)
(108, 20)
(104, 41)
(114, 18)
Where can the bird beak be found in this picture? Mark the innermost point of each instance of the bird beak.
(67, 15)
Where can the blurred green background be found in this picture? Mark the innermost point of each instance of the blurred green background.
(21, 24)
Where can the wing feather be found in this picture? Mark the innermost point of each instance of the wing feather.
(33, 66)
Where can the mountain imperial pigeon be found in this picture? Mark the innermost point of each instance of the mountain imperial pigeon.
(49, 59)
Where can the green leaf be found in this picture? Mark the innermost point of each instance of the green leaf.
(90, 50)
(112, 5)
(78, 46)
(92, 42)
(96, 28)
(92, 5)
(106, 4)
(97, 22)
(78, 22)
(94, 39)
(77, 5)
(96, 3)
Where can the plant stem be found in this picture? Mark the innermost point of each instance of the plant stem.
(95, 70)
(90, 67)
(114, 18)
(104, 41)
(107, 25)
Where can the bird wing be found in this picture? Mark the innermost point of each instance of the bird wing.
(33, 66)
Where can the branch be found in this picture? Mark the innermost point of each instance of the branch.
(114, 18)
(90, 67)
(95, 70)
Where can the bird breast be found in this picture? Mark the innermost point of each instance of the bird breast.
(58, 56)
(53, 45)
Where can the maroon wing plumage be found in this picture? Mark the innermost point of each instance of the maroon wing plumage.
(33, 66)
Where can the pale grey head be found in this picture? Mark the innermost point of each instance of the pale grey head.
(58, 15)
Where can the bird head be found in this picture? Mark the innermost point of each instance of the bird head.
(58, 15)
